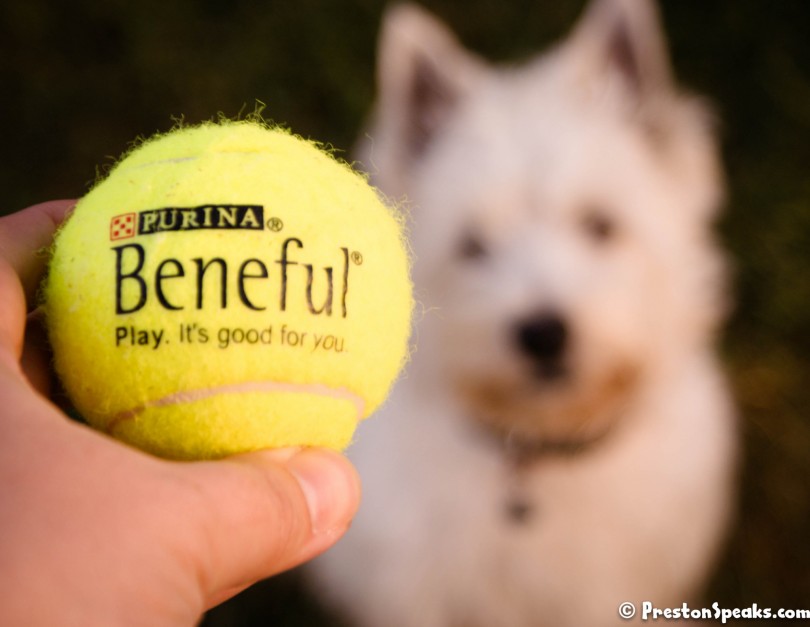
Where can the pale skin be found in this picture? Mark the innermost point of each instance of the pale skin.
(93, 532)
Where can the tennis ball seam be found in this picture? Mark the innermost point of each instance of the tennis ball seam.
(268, 387)
(161, 162)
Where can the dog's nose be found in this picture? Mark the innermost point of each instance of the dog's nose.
(543, 337)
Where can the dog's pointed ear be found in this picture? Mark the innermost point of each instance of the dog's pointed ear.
(620, 55)
(623, 39)
(423, 73)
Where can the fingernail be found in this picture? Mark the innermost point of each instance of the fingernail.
(331, 488)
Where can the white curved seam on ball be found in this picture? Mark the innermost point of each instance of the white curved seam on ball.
(161, 162)
(182, 159)
(191, 396)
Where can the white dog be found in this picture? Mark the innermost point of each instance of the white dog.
(563, 440)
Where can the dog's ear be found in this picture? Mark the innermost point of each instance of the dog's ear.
(623, 40)
(620, 56)
(423, 73)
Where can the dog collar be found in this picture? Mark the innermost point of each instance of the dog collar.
(520, 453)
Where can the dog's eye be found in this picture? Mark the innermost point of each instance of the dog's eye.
(471, 247)
(598, 226)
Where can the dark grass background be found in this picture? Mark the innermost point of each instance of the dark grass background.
(80, 79)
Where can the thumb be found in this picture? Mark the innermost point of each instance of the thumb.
(264, 512)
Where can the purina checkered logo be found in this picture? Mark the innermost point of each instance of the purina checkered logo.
(123, 226)
(128, 225)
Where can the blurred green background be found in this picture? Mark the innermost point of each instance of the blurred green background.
(81, 79)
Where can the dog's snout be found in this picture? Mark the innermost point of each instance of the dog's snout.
(543, 337)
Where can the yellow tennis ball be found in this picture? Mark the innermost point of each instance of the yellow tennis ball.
(229, 287)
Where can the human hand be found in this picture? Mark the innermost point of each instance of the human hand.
(93, 532)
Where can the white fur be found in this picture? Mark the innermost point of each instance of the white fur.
(522, 158)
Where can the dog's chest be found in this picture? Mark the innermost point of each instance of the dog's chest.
(485, 535)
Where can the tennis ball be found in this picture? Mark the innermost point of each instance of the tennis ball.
(229, 287)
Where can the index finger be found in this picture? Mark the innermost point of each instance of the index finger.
(24, 234)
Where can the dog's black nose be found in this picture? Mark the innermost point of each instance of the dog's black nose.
(543, 338)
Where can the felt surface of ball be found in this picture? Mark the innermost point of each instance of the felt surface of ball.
(229, 287)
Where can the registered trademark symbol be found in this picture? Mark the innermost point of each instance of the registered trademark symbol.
(357, 258)
(275, 224)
